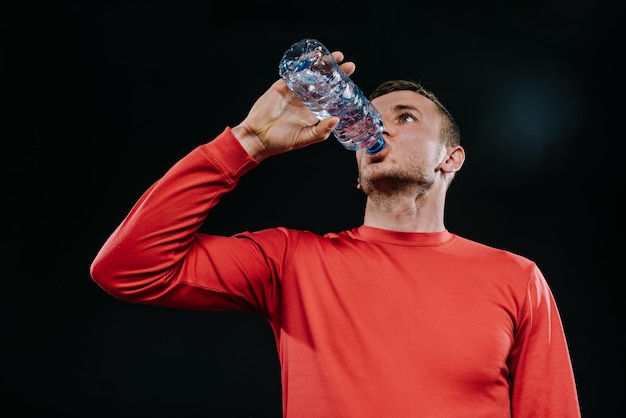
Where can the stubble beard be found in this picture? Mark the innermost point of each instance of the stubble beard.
(394, 184)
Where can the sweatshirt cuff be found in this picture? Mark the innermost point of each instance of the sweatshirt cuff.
(226, 151)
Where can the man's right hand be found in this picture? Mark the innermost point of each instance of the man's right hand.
(279, 122)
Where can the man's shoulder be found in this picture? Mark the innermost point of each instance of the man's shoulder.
(491, 251)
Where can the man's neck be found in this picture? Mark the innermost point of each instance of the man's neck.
(405, 214)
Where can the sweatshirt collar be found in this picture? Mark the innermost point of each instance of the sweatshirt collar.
(421, 239)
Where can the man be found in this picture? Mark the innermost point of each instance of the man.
(396, 318)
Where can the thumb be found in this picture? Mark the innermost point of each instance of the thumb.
(324, 128)
(316, 133)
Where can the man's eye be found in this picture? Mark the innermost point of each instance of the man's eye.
(406, 117)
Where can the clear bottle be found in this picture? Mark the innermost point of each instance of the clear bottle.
(310, 71)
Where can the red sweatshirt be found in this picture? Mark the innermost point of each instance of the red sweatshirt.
(368, 322)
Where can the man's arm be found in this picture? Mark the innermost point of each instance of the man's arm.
(155, 254)
(540, 368)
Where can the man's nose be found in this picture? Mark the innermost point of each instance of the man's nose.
(387, 127)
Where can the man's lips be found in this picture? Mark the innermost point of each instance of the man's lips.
(378, 157)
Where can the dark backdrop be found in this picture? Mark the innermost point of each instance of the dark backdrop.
(99, 98)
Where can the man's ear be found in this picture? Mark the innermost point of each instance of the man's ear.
(454, 160)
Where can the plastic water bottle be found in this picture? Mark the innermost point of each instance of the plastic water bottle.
(310, 71)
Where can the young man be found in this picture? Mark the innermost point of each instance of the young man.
(395, 318)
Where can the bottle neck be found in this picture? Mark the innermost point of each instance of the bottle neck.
(376, 146)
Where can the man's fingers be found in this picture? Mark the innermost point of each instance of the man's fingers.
(347, 67)
(326, 126)
(338, 56)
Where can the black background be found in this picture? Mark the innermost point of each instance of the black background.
(99, 98)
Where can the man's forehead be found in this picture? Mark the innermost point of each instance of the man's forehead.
(404, 99)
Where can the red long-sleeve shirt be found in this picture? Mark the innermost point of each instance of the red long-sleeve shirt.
(368, 322)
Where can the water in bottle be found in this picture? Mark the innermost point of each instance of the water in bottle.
(310, 71)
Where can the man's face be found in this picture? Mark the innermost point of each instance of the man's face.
(414, 150)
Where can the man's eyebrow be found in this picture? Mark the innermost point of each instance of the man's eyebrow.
(401, 107)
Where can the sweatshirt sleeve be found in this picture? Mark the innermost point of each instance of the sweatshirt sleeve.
(539, 364)
(156, 255)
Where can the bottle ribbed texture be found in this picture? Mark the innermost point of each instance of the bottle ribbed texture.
(310, 71)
